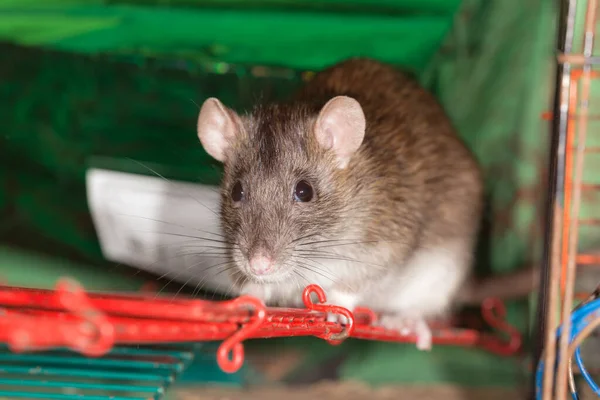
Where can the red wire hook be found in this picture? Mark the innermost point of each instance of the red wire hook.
(233, 344)
(72, 297)
(331, 337)
(494, 313)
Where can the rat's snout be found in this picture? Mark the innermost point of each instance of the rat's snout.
(260, 263)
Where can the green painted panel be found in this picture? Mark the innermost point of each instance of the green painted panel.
(444, 7)
(306, 40)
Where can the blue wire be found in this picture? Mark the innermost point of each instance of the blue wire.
(580, 318)
(586, 375)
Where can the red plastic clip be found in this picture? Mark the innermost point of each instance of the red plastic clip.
(65, 318)
(331, 337)
(233, 344)
(27, 332)
(96, 335)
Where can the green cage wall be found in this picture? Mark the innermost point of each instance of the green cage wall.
(103, 82)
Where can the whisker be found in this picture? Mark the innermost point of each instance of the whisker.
(146, 267)
(228, 266)
(185, 270)
(324, 241)
(200, 285)
(308, 282)
(322, 267)
(161, 259)
(181, 288)
(233, 285)
(205, 253)
(337, 258)
(321, 253)
(347, 244)
(181, 243)
(305, 237)
(308, 268)
(290, 267)
(172, 224)
(196, 104)
(169, 181)
(168, 283)
(186, 236)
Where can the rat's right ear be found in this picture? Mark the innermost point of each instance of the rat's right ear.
(216, 128)
(340, 127)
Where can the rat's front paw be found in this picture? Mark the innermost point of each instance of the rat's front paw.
(409, 326)
(341, 299)
(261, 292)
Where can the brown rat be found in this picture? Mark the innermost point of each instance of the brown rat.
(359, 184)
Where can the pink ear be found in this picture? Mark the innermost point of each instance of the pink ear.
(340, 127)
(216, 128)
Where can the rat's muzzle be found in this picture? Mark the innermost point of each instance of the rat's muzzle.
(261, 264)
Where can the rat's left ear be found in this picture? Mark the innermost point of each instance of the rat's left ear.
(217, 128)
(340, 127)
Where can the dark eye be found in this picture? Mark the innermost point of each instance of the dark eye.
(237, 192)
(303, 192)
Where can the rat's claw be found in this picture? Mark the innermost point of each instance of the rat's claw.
(409, 326)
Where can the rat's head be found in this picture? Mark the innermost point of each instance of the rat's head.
(284, 186)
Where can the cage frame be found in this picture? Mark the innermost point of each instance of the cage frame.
(561, 255)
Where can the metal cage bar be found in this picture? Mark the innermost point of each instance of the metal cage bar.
(569, 133)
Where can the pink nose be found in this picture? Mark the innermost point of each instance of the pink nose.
(260, 264)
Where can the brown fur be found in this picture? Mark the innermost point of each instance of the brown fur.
(412, 183)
